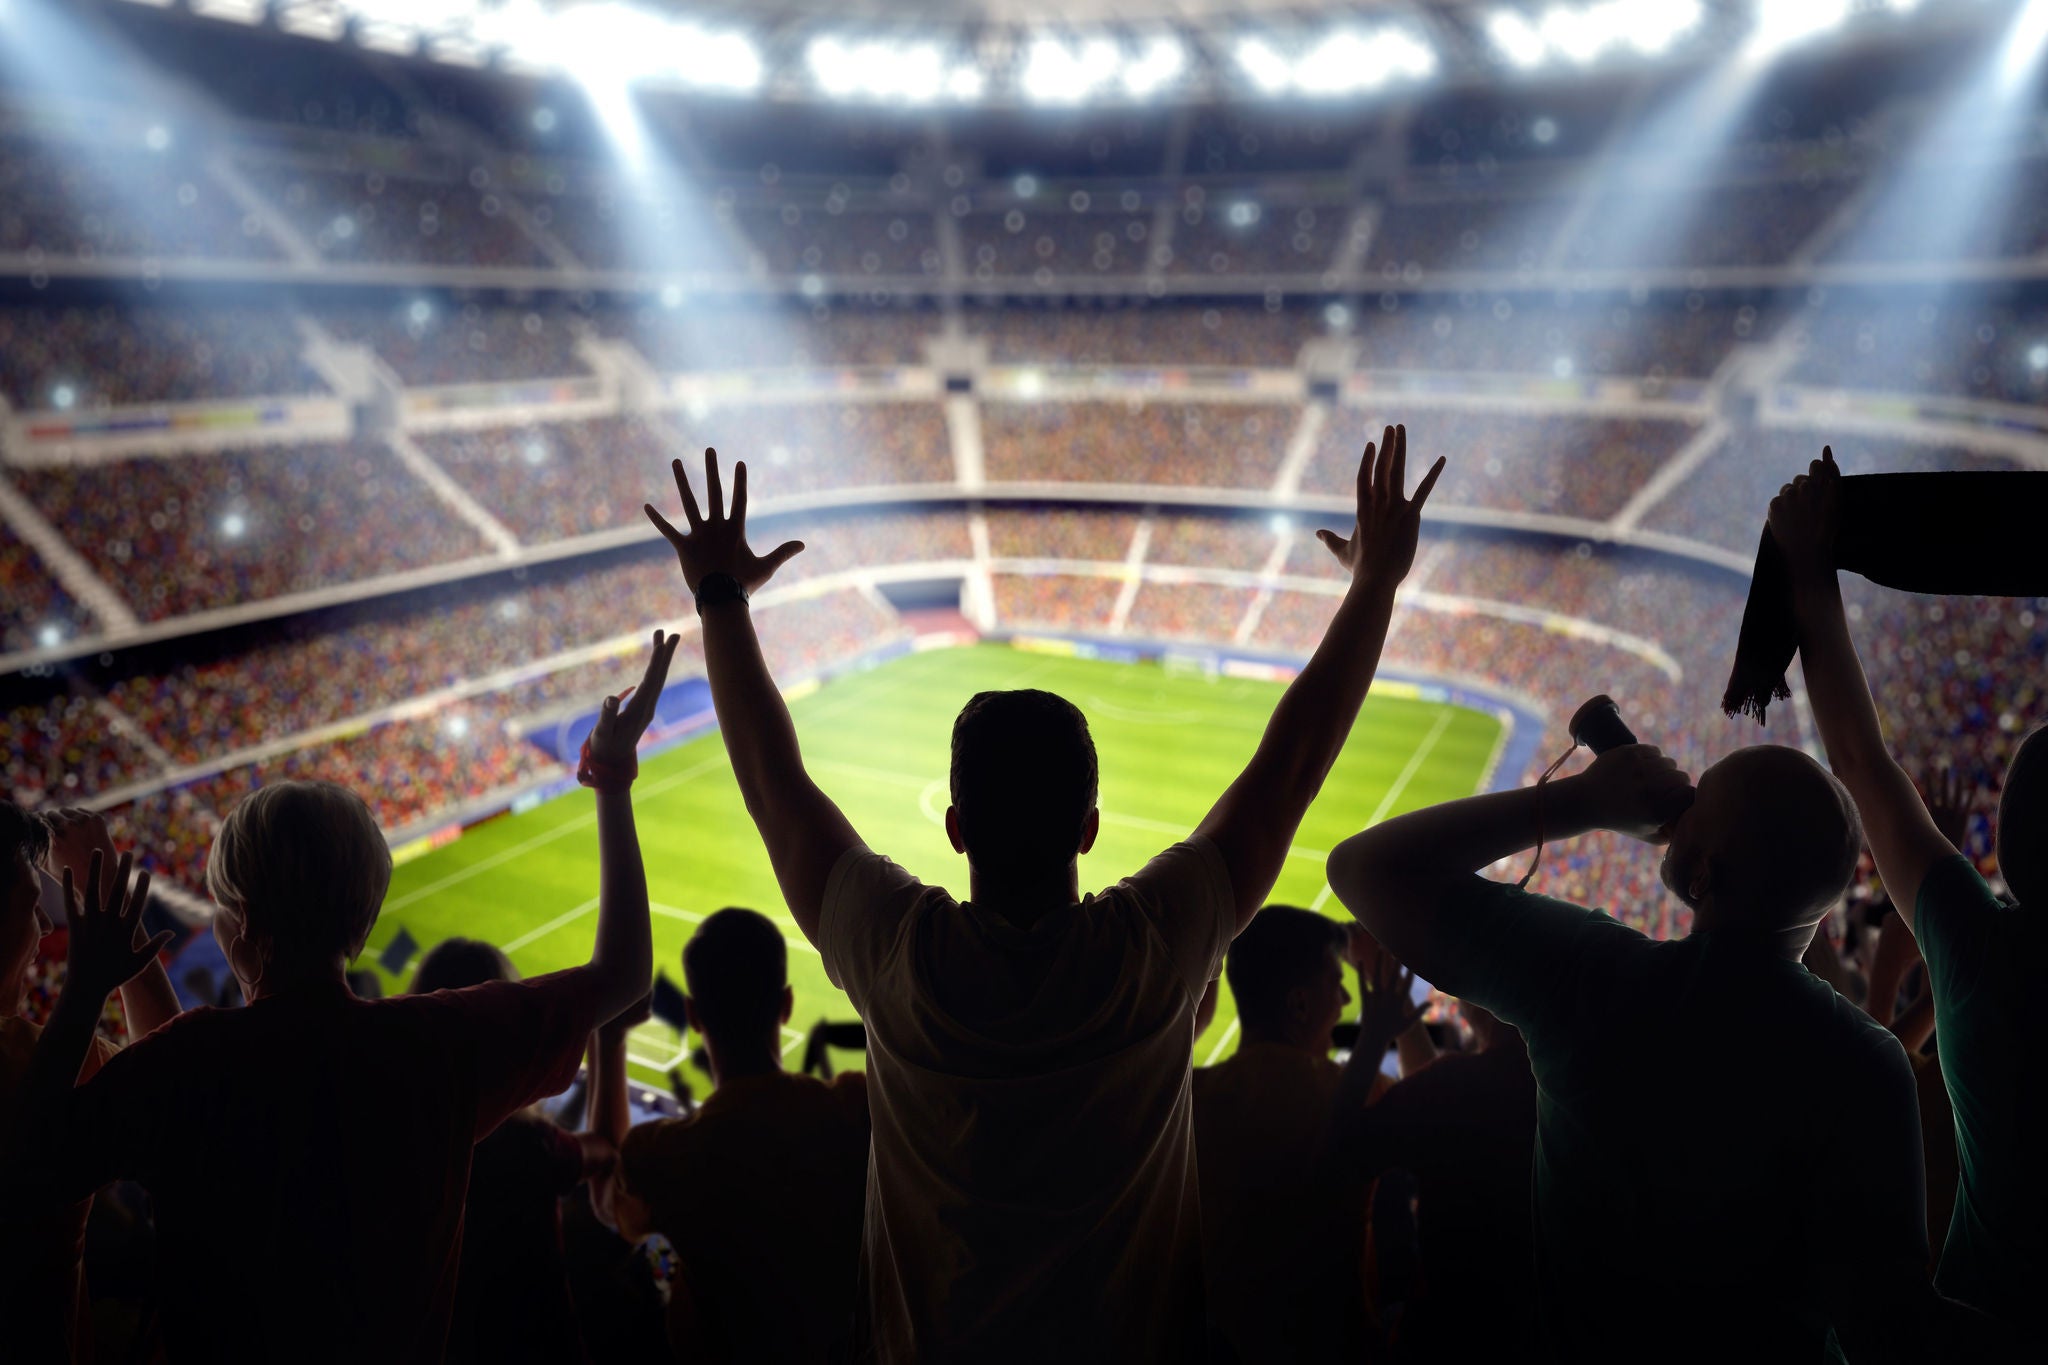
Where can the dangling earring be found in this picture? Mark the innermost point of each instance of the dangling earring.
(249, 983)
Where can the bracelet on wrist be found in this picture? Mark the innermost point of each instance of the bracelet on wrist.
(716, 589)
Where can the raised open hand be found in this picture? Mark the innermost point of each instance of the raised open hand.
(105, 928)
(1804, 515)
(1382, 544)
(75, 835)
(624, 718)
(718, 543)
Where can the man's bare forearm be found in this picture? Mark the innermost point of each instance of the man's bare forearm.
(624, 952)
(760, 736)
(1835, 685)
(610, 1115)
(1309, 726)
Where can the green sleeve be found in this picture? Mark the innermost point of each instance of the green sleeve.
(1523, 956)
(1954, 922)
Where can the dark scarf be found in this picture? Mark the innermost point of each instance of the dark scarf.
(1970, 534)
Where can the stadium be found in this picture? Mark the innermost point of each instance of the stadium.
(341, 342)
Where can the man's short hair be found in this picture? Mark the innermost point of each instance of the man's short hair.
(22, 835)
(304, 866)
(1023, 779)
(454, 963)
(1283, 947)
(1799, 836)
(2023, 820)
(735, 967)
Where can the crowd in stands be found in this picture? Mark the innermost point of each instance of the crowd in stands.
(34, 602)
(1715, 503)
(724, 337)
(430, 340)
(1736, 225)
(1066, 602)
(829, 445)
(561, 479)
(63, 748)
(1088, 240)
(351, 215)
(1595, 338)
(1554, 464)
(1952, 345)
(1236, 335)
(1467, 233)
(183, 533)
(86, 357)
(1207, 612)
(1060, 533)
(1218, 233)
(1213, 542)
(92, 200)
(870, 539)
(835, 239)
(1183, 444)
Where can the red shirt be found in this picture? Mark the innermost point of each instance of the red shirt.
(308, 1155)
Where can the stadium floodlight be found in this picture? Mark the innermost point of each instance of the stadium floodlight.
(1158, 65)
(1345, 62)
(1785, 24)
(882, 69)
(322, 19)
(234, 11)
(50, 636)
(1055, 73)
(1583, 34)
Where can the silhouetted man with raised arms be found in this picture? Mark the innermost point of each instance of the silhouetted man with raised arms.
(1032, 1190)
(1983, 956)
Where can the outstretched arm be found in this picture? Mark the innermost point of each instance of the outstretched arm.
(1253, 824)
(1902, 835)
(622, 960)
(804, 831)
(1398, 876)
(1386, 1011)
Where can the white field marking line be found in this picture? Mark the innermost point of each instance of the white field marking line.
(790, 932)
(1216, 1052)
(534, 935)
(1393, 794)
(506, 855)
(794, 1039)
(1133, 717)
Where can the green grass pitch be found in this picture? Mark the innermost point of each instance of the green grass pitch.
(877, 742)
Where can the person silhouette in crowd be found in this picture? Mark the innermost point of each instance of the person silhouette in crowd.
(1981, 953)
(1033, 1191)
(1728, 1152)
(761, 1190)
(307, 1154)
(1283, 1214)
(42, 1277)
(512, 1291)
(1465, 1129)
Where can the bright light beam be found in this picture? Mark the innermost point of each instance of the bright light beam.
(1958, 177)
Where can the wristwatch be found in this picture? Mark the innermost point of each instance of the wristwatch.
(716, 589)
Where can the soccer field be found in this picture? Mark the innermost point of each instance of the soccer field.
(877, 742)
